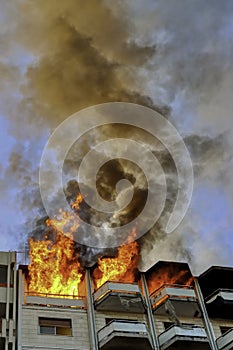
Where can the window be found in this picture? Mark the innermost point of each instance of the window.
(168, 325)
(109, 320)
(3, 275)
(224, 329)
(2, 310)
(55, 326)
(2, 344)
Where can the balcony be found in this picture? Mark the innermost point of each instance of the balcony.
(225, 342)
(182, 298)
(183, 338)
(54, 300)
(220, 303)
(217, 288)
(113, 296)
(124, 335)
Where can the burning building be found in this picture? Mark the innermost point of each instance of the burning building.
(111, 305)
(61, 303)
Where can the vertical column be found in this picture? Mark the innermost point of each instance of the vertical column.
(8, 298)
(8, 287)
(150, 313)
(208, 326)
(14, 301)
(91, 313)
(20, 302)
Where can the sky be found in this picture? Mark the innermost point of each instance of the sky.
(176, 56)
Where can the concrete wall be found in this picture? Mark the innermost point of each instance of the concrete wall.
(32, 339)
(8, 291)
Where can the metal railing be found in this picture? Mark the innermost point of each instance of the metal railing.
(170, 285)
(116, 287)
(186, 330)
(172, 290)
(123, 326)
(51, 295)
(54, 300)
(218, 291)
(225, 339)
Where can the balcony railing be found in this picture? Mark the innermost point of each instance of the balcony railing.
(177, 294)
(182, 333)
(225, 294)
(220, 304)
(225, 342)
(58, 300)
(124, 334)
(117, 296)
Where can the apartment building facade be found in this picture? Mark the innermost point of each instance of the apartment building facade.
(8, 300)
(166, 308)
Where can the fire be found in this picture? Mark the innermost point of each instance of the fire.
(66, 222)
(121, 268)
(54, 267)
(169, 275)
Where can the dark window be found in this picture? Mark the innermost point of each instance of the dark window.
(2, 344)
(225, 329)
(11, 310)
(108, 320)
(168, 325)
(2, 310)
(3, 274)
(56, 326)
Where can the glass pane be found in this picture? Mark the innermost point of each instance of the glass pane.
(47, 330)
(63, 331)
(3, 274)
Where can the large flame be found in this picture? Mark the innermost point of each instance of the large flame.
(122, 268)
(167, 275)
(54, 267)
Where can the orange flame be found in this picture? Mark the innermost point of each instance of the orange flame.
(54, 268)
(67, 222)
(169, 275)
(121, 268)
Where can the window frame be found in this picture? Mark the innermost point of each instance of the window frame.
(55, 324)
